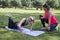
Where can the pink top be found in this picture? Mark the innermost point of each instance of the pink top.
(53, 19)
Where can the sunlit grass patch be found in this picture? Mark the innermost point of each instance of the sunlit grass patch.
(17, 16)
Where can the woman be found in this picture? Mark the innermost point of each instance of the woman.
(23, 22)
(48, 18)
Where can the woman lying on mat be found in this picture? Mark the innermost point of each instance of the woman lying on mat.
(48, 18)
(23, 22)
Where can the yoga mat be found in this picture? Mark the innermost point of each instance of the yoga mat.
(27, 31)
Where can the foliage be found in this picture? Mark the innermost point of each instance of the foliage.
(4, 4)
(53, 3)
(14, 3)
(0, 2)
(36, 4)
(29, 3)
(24, 3)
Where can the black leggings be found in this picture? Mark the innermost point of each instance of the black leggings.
(43, 21)
(12, 24)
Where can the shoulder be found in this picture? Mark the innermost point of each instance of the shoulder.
(51, 12)
(23, 19)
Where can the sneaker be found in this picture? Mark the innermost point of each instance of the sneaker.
(9, 15)
(43, 28)
(56, 28)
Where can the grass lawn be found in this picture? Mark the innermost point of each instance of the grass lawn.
(18, 14)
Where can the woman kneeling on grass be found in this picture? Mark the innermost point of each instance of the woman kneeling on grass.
(48, 18)
(22, 23)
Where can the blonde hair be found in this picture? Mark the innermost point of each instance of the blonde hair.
(31, 17)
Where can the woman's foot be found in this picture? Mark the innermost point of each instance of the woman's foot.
(9, 15)
(43, 28)
(56, 28)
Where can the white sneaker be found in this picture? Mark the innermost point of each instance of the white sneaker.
(9, 15)
(43, 28)
(56, 28)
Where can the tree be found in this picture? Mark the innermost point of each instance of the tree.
(4, 4)
(28, 3)
(7, 3)
(36, 4)
(53, 3)
(0, 2)
(14, 3)
(24, 3)
(56, 4)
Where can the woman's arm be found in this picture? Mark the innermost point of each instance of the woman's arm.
(31, 24)
(43, 16)
(20, 24)
(49, 18)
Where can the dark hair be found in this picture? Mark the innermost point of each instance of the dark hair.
(46, 6)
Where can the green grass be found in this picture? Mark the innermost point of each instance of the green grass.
(18, 14)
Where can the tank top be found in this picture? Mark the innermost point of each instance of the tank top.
(53, 18)
(25, 23)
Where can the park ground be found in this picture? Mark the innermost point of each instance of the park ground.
(17, 15)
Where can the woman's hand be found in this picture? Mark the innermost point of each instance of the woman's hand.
(20, 30)
(42, 17)
(48, 28)
(31, 29)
